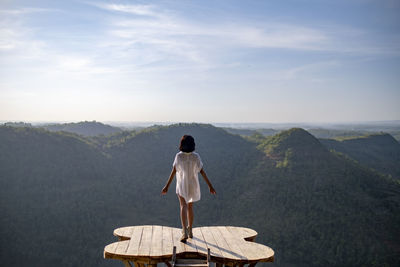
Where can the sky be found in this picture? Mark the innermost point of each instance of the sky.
(200, 61)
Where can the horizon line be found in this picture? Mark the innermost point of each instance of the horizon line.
(199, 122)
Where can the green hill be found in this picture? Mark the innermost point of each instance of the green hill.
(249, 132)
(378, 151)
(312, 206)
(294, 146)
(320, 203)
(85, 128)
(53, 187)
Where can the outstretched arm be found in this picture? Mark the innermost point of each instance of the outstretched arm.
(171, 176)
(203, 173)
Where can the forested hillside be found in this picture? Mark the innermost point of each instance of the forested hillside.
(62, 195)
(378, 151)
(85, 128)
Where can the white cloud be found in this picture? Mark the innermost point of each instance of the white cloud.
(165, 36)
(18, 40)
(168, 34)
(272, 35)
(78, 65)
(129, 50)
(68, 63)
(141, 10)
(8, 39)
(161, 28)
(308, 72)
(151, 38)
(268, 36)
(23, 11)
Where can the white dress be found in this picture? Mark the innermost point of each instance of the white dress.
(187, 166)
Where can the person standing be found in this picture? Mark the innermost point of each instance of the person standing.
(186, 166)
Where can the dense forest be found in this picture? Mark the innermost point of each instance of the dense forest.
(316, 202)
(85, 128)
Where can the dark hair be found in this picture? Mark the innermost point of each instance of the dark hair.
(187, 144)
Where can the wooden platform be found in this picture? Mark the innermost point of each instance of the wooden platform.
(152, 244)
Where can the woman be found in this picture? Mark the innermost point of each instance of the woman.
(186, 166)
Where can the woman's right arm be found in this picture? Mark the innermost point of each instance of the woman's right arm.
(171, 176)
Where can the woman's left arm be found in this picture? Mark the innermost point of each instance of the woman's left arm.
(203, 173)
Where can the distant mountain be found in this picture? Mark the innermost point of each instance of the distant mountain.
(336, 133)
(17, 124)
(314, 207)
(378, 151)
(295, 142)
(53, 187)
(316, 203)
(325, 133)
(85, 128)
(249, 132)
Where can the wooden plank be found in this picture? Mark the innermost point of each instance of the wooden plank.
(190, 246)
(167, 242)
(128, 232)
(210, 242)
(233, 241)
(110, 250)
(251, 250)
(226, 250)
(145, 242)
(181, 247)
(198, 240)
(176, 236)
(134, 242)
(119, 232)
(257, 252)
(191, 265)
(246, 247)
(245, 233)
(152, 243)
(190, 261)
(122, 247)
(156, 241)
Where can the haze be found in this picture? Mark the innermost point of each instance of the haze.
(203, 61)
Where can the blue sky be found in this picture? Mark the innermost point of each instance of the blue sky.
(200, 61)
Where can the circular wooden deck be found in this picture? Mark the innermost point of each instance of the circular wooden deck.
(153, 244)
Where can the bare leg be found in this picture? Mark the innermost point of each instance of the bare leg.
(190, 219)
(190, 214)
(183, 205)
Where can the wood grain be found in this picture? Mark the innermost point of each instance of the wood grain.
(154, 243)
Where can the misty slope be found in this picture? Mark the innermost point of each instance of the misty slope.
(64, 191)
(313, 207)
(320, 203)
(52, 190)
(378, 151)
(148, 157)
(249, 132)
(85, 128)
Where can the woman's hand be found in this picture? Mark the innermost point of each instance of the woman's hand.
(164, 190)
(171, 176)
(212, 190)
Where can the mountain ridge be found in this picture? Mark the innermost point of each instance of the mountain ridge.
(85, 128)
(378, 151)
(318, 209)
